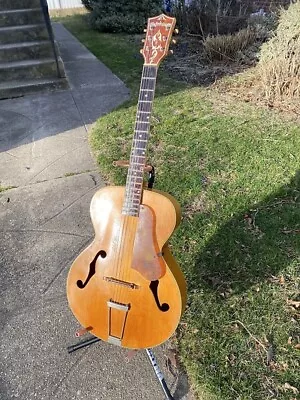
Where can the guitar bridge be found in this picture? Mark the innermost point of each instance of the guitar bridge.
(130, 285)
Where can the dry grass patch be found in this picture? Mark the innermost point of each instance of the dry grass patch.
(279, 68)
(227, 47)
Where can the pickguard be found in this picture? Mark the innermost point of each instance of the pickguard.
(147, 257)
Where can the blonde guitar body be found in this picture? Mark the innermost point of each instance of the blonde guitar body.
(126, 287)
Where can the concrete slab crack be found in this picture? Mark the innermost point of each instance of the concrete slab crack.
(76, 363)
(12, 155)
(53, 162)
(44, 231)
(69, 205)
(64, 264)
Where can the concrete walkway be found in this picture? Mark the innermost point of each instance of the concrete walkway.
(45, 223)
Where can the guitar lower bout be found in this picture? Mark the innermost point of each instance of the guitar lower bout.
(126, 286)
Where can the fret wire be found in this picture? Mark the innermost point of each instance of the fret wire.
(128, 206)
(141, 130)
(133, 175)
(132, 202)
(132, 194)
(127, 202)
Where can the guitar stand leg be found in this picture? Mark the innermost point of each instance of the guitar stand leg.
(82, 344)
(149, 352)
(159, 374)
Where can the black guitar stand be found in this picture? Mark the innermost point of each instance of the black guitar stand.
(149, 352)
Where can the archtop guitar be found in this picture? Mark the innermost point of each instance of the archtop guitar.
(125, 287)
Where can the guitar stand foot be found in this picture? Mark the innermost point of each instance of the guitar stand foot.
(149, 352)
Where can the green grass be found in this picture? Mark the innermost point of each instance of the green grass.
(234, 168)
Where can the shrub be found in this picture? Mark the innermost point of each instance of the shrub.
(279, 68)
(211, 17)
(227, 47)
(88, 4)
(128, 16)
(265, 25)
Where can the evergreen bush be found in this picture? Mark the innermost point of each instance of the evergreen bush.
(128, 16)
(88, 4)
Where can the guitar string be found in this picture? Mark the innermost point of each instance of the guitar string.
(132, 179)
(130, 191)
(122, 239)
(147, 85)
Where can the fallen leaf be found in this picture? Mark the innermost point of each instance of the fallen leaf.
(287, 386)
(293, 303)
(278, 366)
(282, 280)
(297, 346)
(286, 231)
(290, 340)
(172, 356)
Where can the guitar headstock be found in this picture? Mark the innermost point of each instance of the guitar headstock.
(158, 37)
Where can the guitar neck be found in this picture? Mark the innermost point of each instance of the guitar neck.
(134, 182)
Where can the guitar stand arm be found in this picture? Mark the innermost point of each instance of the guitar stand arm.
(148, 168)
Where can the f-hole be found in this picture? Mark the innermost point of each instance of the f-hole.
(153, 287)
(92, 269)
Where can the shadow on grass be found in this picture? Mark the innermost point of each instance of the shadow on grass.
(237, 322)
(253, 245)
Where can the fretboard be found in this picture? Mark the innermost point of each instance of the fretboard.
(134, 182)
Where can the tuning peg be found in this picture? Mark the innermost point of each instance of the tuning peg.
(171, 51)
(145, 30)
(143, 40)
(176, 31)
(141, 51)
(174, 41)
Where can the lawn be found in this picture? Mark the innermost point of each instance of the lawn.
(234, 168)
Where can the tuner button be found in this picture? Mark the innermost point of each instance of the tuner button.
(141, 51)
(174, 41)
(176, 31)
(171, 51)
(145, 30)
(143, 40)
